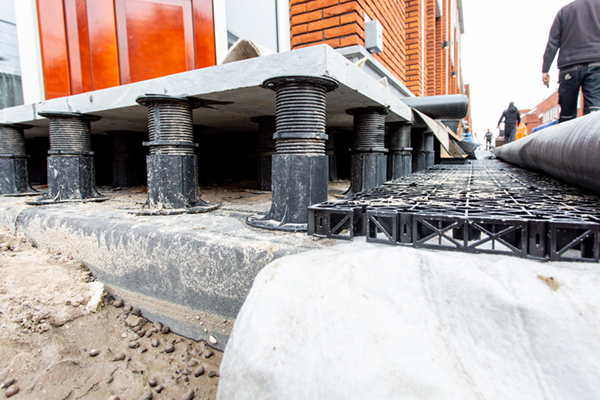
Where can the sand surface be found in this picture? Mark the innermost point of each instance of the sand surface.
(54, 317)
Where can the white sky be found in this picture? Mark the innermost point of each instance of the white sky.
(502, 50)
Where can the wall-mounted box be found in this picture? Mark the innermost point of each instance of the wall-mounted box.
(373, 37)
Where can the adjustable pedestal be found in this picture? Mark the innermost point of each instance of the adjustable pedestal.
(127, 149)
(13, 161)
(419, 158)
(171, 166)
(400, 152)
(70, 160)
(299, 171)
(369, 159)
(266, 149)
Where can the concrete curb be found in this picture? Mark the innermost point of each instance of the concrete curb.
(190, 272)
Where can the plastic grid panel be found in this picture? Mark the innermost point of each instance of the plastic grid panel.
(488, 199)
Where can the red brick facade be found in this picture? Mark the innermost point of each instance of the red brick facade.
(412, 37)
(547, 111)
(431, 55)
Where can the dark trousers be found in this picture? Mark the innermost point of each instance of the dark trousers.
(509, 132)
(586, 76)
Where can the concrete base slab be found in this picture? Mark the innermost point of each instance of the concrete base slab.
(190, 272)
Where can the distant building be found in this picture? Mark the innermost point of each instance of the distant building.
(11, 93)
(547, 111)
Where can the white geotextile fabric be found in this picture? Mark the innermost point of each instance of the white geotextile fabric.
(364, 321)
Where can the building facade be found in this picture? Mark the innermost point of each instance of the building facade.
(547, 111)
(421, 38)
(75, 46)
(10, 68)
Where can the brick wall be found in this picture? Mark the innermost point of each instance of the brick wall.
(414, 46)
(412, 36)
(442, 75)
(546, 105)
(340, 23)
(431, 54)
(392, 15)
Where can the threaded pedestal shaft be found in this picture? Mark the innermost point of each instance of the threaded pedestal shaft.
(12, 141)
(300, 118)
(170, 124)
(399, 136)
(369, 130)
(70, 133)
(369, 162)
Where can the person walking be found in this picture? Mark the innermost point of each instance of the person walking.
(576, 32)
(488, 139)
(512, 118)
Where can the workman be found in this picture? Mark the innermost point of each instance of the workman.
(512, 118)
(521, 131)
(488, 139)
(576, 31)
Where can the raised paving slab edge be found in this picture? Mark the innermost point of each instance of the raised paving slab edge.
(190, 272)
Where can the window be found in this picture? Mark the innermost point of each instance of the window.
(255, 20)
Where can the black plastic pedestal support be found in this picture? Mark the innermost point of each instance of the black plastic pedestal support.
(266, 149)
(419, 157)
(369, 159)
(330, 151)
(13, 161)
(70, 159)
(300, 165)
(127, 148)
(399, 162)
(172, 165)
(428, 147)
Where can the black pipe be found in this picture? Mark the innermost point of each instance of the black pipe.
(568, 151)
(454, 106)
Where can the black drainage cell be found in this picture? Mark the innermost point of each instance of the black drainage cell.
(487, 206)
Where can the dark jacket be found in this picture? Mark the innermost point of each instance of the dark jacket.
(511, 116)
(488, 136)
(576, 31)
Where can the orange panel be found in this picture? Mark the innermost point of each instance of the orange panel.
(55, 56)
(204, 33)
(104, 56)
(79, 50)
(155, 38)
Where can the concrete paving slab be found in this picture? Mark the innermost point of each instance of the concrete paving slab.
(233, 92)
